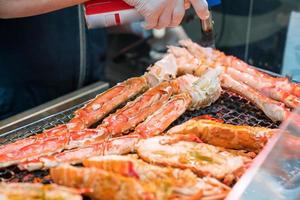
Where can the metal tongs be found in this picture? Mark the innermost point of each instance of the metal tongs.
(208, 37)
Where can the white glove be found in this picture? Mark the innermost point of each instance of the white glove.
(167, 13)
(201, 8)
(160, 13)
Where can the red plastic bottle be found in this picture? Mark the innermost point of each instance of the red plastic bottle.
(105, 13)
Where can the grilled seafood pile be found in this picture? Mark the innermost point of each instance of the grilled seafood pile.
(131, 154)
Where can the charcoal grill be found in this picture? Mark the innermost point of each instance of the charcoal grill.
(231, 108)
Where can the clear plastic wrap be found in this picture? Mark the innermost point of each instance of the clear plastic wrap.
(275, 173)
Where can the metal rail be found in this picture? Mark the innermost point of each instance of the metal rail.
(52, 107)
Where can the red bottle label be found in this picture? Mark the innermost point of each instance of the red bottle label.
(104, 6)
(105, 13)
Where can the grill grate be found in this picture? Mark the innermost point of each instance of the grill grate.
(231, 108)
(39, 126)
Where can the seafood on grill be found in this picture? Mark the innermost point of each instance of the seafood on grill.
(164, 117)
(275, 82)
(47, 146)
(275, 110)
(193, 93)
(155, 124)
(203, 159)
(29, 191)
(113, 146)
(171, 183)
(190, 92)
(126, 118)
(229, 136)
(266, 88)
(259, 88)
(179, 151)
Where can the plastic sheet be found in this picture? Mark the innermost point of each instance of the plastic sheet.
(275, 173)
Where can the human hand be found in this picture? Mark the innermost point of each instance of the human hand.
(201, 8)
(161, 13)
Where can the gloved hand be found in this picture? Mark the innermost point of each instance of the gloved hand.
(201, 8)
(166, 13)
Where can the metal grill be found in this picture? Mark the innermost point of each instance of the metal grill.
(39, 126)
(231, 108)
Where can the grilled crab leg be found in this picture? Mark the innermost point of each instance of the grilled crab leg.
(265, 88)
(225, 135)
(109, 100)
(53, 144)
(19, 144)
(281, 83)
(113, 146)
(201, 158)
(138, 110)
(275, 110)
(279, 89)
(164, 117)
(186, 62)
(180, 151)
(14, 191)
(184, 183)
